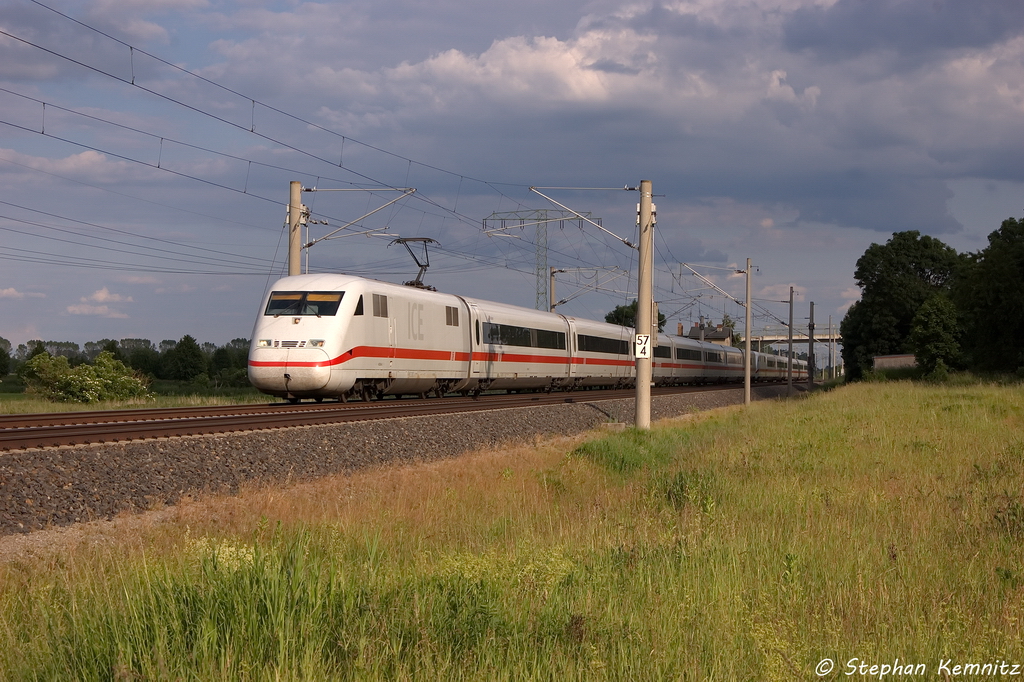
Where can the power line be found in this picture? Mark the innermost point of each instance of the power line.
(509, 258)
(123, 232)
(133, 49)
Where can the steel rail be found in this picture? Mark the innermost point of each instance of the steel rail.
(79, 428)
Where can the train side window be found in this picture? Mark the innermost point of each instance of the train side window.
(380, 305)
(359, 305)
(687, 354)
(525, 337)
(451, 316)
(550, 339)
(601, 344)
(663, 351)
(478, 332)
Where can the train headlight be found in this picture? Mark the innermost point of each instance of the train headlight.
(265, 343)
(316, 343)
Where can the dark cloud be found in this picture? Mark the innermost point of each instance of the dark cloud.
(909, 28)
(664, 21)
(878, 201)
(611, 66)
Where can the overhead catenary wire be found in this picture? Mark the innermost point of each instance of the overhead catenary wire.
(514, 254)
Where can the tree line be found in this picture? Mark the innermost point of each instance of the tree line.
(181, 360)
(952, 310)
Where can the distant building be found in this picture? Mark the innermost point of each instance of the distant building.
(893, 361)
(713, 333)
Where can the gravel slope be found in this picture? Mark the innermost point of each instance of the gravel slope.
(67, 485)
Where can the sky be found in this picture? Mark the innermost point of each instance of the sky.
(147, 146)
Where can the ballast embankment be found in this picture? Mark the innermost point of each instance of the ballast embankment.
(67, 485)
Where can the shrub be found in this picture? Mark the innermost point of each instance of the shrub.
(105, 379)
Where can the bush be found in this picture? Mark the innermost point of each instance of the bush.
(12, 383)
(106, 379)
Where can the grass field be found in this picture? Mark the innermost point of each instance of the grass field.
(28, 403)
(878, 522)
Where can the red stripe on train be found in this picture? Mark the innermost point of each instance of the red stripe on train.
(441, 356)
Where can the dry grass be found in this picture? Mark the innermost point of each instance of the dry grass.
(877, 521)
(26, 403)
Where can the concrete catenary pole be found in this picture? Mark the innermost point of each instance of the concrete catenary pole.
(295, 229)
(810, 350)
(831, 351)
(746, 343)
(645, 303)
(789, 364)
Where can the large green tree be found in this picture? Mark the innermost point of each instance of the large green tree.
(935, 334)
(990, 296)
(896, 278)
(185, 361)
(625, 315)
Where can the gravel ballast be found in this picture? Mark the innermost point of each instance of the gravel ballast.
(67, 485)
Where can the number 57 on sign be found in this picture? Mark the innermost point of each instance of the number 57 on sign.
(642, 346)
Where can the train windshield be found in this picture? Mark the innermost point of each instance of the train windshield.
(304, 303)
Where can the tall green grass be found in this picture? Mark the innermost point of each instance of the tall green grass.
(876, 521)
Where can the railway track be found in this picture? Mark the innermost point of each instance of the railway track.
(111, 426)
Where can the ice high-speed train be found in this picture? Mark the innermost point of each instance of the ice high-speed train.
(339, 336)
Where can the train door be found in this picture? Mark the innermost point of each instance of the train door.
(392, 334)
(477, 349)
(570, 346)
(380, 324)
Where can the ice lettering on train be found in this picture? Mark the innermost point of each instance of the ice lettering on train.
(416, 321)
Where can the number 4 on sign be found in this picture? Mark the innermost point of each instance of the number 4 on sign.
(642, 346)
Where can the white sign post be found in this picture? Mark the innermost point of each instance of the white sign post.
(642, 346)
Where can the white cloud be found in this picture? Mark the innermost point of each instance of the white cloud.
(851, 295)
(779, 89)
(96, 310)
(104, 296)
(89, 165)
(13, 293)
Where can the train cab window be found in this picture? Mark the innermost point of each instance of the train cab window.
(380, 305)
(451, 316)
(317, 303)
(359, 306)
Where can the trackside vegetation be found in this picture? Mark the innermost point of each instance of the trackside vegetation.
(951, 310)
(876, 522)
(106, 378)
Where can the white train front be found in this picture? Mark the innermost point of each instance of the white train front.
(339, 336)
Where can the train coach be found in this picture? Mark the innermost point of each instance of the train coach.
(340, 336)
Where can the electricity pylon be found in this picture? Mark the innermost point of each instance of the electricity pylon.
(497, 224)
